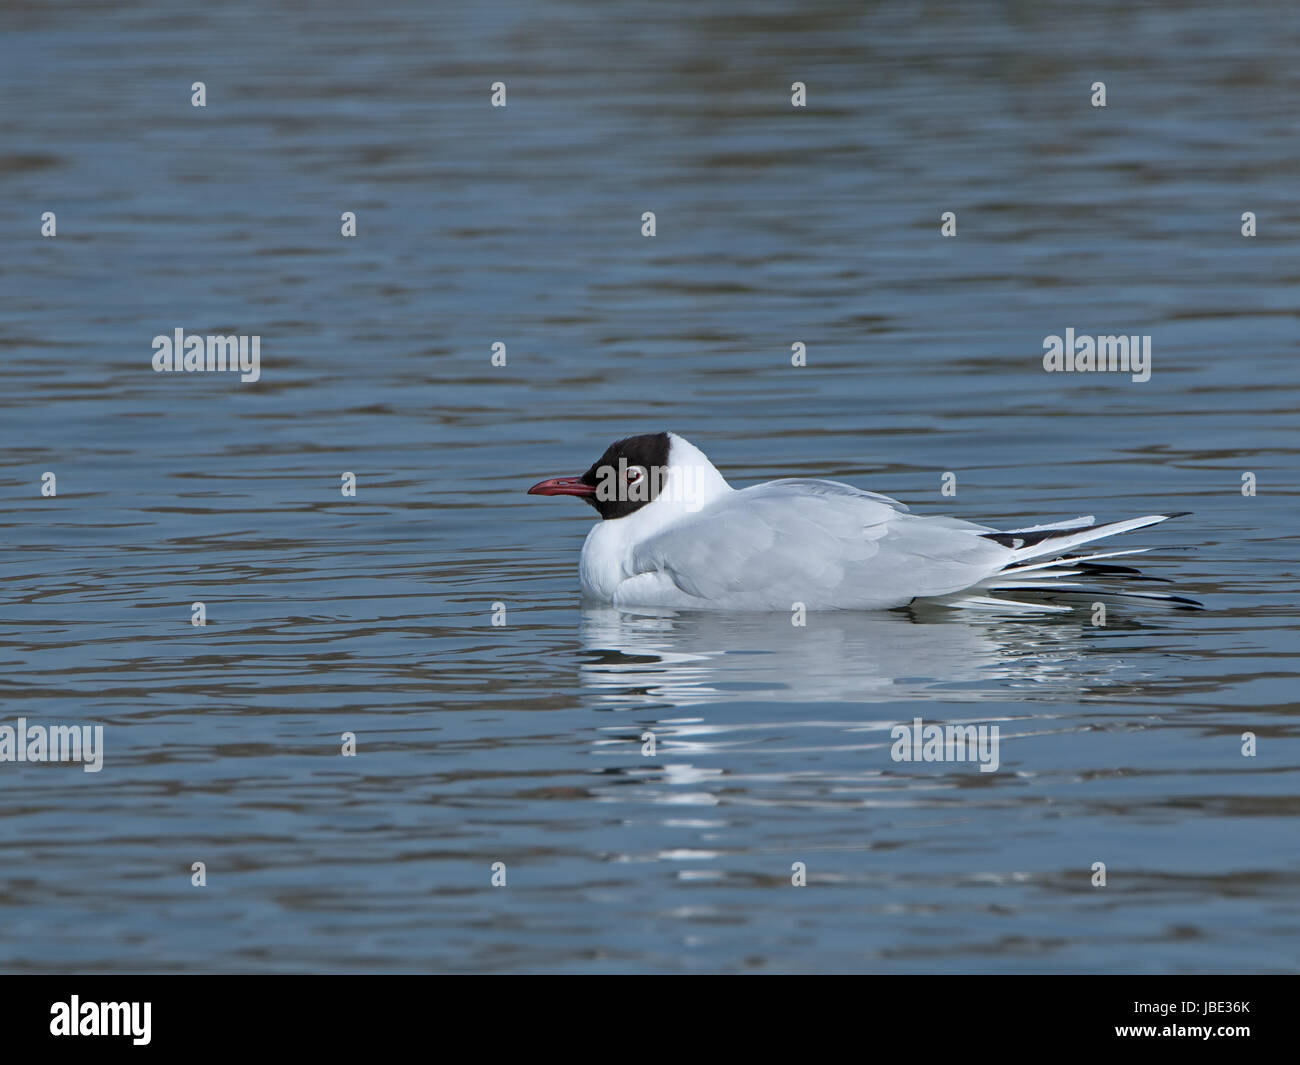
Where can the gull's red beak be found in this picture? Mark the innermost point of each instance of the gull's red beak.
(562, 486)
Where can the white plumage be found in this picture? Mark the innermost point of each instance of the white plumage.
(702, 545)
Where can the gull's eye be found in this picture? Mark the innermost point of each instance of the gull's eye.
(634, 474)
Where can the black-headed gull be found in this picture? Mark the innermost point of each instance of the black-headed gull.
(675, 535)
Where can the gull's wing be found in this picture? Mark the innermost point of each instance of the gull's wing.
(820, 543)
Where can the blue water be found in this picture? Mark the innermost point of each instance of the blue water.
(522, 743)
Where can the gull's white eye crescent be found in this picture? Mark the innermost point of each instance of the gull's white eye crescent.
(634, 474)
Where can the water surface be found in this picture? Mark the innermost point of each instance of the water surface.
(523, 743)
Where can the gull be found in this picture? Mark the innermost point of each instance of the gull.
(675, 535)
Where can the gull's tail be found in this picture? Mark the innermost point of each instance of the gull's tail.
(1025, 571)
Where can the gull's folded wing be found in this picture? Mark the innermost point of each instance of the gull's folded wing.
(820, 543)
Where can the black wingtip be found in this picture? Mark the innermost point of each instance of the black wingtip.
(1179, 602)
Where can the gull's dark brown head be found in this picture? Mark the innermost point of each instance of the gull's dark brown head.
(624, 479)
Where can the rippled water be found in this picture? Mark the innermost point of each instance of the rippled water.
(523, 743)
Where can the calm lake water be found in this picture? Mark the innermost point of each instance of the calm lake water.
(522, 743)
